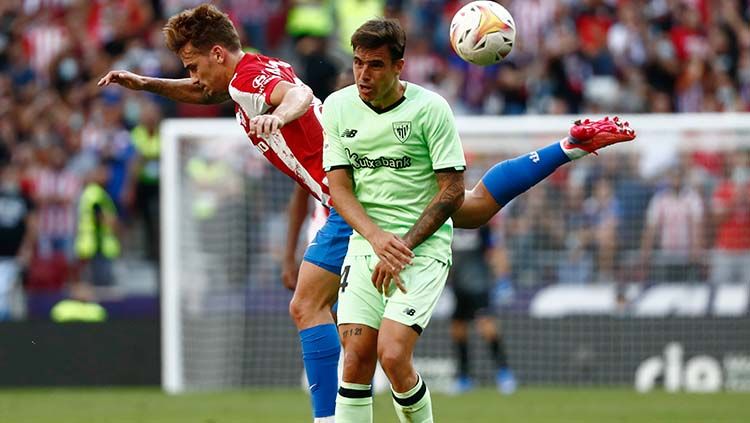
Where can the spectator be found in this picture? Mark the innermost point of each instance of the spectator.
(350, 14)
(309, 18)
(17, 231)
(57, 191)
(535, 231)
(472, 281)
(730, 259)
(147, 174)
(106, 137)
(318, 68)
(602, 211)
(576, 264)
(96, 242)
(674, 224)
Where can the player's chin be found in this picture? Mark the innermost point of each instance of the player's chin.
(365, 93)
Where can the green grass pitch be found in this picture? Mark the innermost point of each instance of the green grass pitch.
(531, 405)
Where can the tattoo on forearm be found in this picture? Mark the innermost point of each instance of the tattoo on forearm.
(439, 210)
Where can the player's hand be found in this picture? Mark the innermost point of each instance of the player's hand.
(127, 79)
(382, 277)
(289, 272)
(392, 250)
(265, 125)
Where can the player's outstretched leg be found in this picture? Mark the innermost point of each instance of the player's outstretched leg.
(511, 178)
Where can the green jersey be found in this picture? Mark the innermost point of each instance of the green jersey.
(393, 154)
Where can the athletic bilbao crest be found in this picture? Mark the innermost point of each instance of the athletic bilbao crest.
(402, 130)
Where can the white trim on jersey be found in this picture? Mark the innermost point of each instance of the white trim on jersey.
(252, 103)
(317, 221)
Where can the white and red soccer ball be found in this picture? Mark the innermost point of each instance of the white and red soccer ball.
(482, 32)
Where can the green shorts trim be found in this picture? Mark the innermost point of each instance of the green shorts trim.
(361, 303)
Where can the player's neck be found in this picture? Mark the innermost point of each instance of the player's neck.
(392, 97)
(233, 59)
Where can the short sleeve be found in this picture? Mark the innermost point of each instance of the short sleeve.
(334, 154)
(271, 84)
(442, 137)
(253, 85)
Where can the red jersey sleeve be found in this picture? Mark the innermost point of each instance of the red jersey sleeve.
(255, 79)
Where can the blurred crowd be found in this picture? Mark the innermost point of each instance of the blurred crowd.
(80, 164)
(604, 221)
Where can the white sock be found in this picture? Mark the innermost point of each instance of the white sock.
(571, 150)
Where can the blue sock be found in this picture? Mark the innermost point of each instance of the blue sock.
(511, 178)
(320, 352)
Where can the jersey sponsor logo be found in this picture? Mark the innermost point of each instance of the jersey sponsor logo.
(402, 130)
(270, 71)
(260, 81)
(366, 162)
(349, 133)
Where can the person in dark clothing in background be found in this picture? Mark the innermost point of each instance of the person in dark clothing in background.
(472, 280)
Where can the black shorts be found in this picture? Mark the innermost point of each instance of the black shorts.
(470, 305)
(470, 278)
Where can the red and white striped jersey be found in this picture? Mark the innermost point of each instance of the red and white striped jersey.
(42, 43)
(298, 149)
(59, 218)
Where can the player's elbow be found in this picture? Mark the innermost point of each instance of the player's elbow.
(458, 202)
(450, 202)
(304, 93)
(454, 196)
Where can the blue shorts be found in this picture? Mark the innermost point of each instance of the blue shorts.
(328, 249)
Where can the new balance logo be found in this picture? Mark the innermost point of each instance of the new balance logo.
(409, 311)
(534, 156)
(349, 133)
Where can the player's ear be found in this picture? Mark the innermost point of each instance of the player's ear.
(399, 64)
(218, 53)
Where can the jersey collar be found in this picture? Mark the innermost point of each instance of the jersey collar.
(398, 102)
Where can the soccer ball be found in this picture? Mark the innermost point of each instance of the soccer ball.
(482, 32)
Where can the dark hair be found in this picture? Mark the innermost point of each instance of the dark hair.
(379, 32)
(203, 27)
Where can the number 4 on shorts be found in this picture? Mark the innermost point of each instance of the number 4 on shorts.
(344, 276)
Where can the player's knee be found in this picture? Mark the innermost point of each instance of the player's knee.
(459, 330)
(358, 365)
(300, 310)
(306, 308)
(392, 360)
(486, 326)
